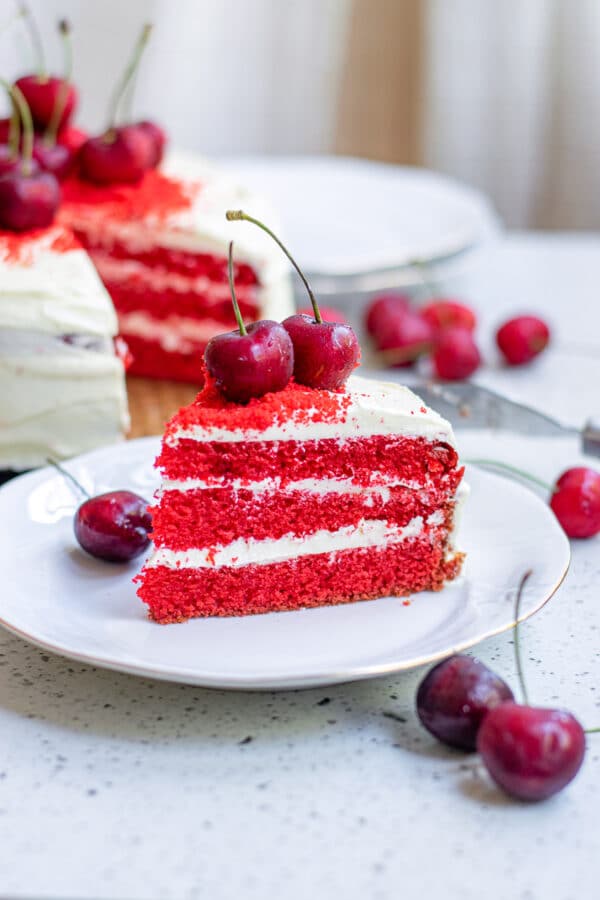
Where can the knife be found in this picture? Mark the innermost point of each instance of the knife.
(468, 405)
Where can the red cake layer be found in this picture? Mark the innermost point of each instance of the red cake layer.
(209, 517)
(174, 595)
(150, 360)
(135, 296)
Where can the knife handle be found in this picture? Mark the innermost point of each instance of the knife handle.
(590, 436)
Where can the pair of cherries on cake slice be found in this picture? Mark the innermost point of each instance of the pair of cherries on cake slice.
(262, 357)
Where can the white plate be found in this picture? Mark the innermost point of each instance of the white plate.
(64, 601)
(345, 217)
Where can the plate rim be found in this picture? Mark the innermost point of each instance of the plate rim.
(269, 683)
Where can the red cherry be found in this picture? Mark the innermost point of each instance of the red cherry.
(522, 339)
(42, 93)
(576, 502)
(442, 314)
(158, 137)
(328, 314)
(404, 338)
(115, 526)
(252, 364)
(8, 162)
(120, 155)
(384, 309)
(55, 158)
(531, 753)
(29, 198)
(4, 130)
(456, 355)
(454, 697)
(325, 353)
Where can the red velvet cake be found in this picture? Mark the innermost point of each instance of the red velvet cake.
(160, 246)
(301, 498)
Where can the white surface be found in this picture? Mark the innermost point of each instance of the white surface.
(308, 647)
(127, 789)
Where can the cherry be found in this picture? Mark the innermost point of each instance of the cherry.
(52, 100)
(404, 338)
(158, 138)
(384, 309)
(55, 158)
(120, 155)
(252, 361)
(4, 130)
(8, 160)
(454, 697)
(455, 355)
(328, 314)
(72, 138)
(442, 314)
(114, 526)
(575, 502)
(530, 752)
(522, 339)
(325, 353)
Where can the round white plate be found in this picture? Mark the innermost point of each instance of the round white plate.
(57, 597)
(345, 217)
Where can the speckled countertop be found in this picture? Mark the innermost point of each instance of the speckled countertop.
(117, 787)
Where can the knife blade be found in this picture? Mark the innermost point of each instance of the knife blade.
(468, 405)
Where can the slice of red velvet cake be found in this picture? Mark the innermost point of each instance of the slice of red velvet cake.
(301, 498)
(160, 246)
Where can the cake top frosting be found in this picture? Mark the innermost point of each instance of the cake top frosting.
(363, 409)
(48, 284)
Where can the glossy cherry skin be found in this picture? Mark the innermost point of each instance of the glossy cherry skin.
(56, 158)
(119, 156)
(251, 365)
(522, 339)
(42, 93)
(404, 338)
(576, 502)
(455, 696)
(442, 314)
(325, 353)
(531, 753)
(114, 526)
(158, 138)
(328, 314)
(8, 162)
(456, 355)
(28, 198)
(383, 310)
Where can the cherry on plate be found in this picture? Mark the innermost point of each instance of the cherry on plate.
(442, 314)
(456, 355)
(114, 526)
(383, 310)
(576, 502)
(522, 339)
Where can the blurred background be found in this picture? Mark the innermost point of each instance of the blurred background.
(501, 95)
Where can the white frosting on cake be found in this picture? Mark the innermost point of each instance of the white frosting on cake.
(375, 408)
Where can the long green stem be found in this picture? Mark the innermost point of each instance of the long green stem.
(236, 307)
(14, 130)
(61, 99)
(26, 121)
(518, 660)
(238, 215)
(128, 74)
(36, 40)
(512, 470)
(68, 476)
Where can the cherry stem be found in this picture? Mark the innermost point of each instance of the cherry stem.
(130, 70)
(238, 215)
(14, 130)
(518, 660)
(36, 40)
(592, 730)
(26, 121)
(513, 470)
(68, 476)
(236, 307)
(61, 98)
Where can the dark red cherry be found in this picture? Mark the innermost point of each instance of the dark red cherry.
(119, 156)
(158, 137)
(442, 314)
(4, 130)
(576, 502)
(383, 310)
(55, 158)
(403, 337)
(325, 353)
(252, 364)
(115, 526)
(454, 697)
(456, 355)
(42, 93)
(531, 753)
(522, 339)
(29, 198)
(8, 161)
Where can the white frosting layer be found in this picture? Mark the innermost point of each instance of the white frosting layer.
(174, 334)
(242, 552)
(380, 486)
(376, 408)
(56, 292)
